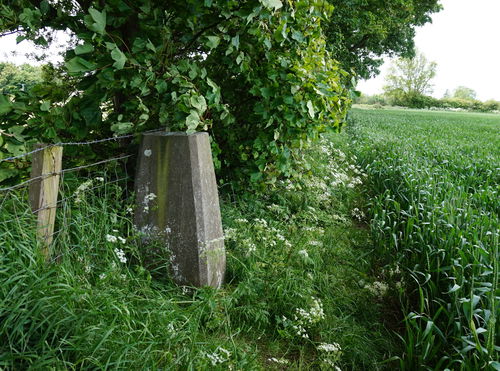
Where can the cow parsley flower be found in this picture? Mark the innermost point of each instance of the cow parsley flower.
(111, 238)
(325, 347)
(121, 255)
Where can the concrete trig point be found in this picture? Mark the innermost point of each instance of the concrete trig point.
(177, 204)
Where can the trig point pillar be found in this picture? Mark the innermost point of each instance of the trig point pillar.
(177, 205)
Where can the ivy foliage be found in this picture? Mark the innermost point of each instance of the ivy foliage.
(255, 74)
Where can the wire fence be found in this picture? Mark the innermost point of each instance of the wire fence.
(81, 191)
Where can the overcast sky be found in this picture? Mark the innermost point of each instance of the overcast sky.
(463, 40)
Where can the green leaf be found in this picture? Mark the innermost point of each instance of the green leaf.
(265, 92)
(121, 128)
(84, 49)
(235, 41)
(15, 149)
(7, 173)
(240, 58)
(17, 131)
(151, 46)
(454, 288)
(212, 42)
(20, 38)
(119, 58)
(296, 35)
(213, 85)
(45, 106)
(192, 121)
(44, 7)
(310, 108)
(272, 4)
(100, 20)
(198, 102)
(161, 86)
(255, 177)
(78, 65)
(5, 105)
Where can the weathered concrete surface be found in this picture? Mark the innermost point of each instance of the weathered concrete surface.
(177, 203)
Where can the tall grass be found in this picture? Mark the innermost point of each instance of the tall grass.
(435, 179)
(298, 293)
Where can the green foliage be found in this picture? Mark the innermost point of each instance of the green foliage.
(22, 77)
(360, 32)
(379, 99)
(255, 74)
(465, 93)
(435, 208)
(408, 80)
(288, 254)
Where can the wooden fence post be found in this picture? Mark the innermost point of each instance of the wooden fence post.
(43, 192)
(178, 204)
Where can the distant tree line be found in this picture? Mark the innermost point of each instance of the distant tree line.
(23, 77)
(408, 84)
(425, 101)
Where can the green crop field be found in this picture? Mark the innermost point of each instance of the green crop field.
(434, 180)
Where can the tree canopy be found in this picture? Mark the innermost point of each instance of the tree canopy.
(261, 76)
(410, 78)
(256, 74)
(463, 92)
(360, 32)
(21, 77)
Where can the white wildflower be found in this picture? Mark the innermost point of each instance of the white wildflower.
(121, 255)
(230, 233)
(82, 188)
(251, 248)
(325, 347)
(281, 361)
(111, 238)
(315, 243)
(260, 222)
(377, 288)
(304, 254)
(220, 355)
(147, 199)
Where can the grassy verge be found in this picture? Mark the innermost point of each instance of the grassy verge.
(300, 293)
(434, 178)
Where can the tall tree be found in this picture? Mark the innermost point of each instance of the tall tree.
(463, 92)
(410, 77)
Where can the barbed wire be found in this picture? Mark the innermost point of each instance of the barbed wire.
(64, 171)
(63, 144)
(19, 215)
(28, 212)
